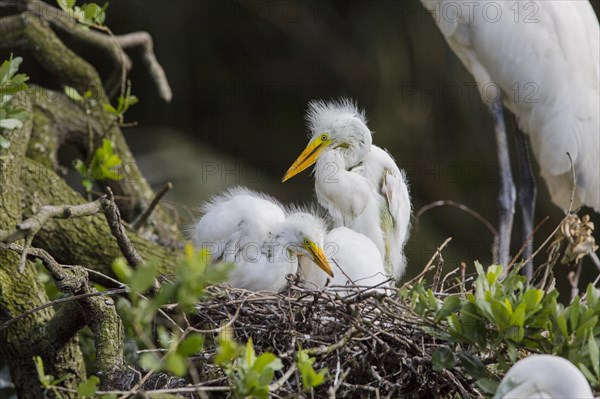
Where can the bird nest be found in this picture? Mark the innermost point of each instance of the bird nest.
(372, 344)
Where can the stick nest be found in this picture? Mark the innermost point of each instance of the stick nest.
(372, 344)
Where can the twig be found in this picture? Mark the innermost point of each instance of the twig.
(573, 278)
(144, 41)
(141, 219)
(113, 218)
(462, 207)
(428, 265)
(529, 238)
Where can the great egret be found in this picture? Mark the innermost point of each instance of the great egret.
(357, 182)
(354, 258)
(544, 376)
(254, 232)
(541, 60)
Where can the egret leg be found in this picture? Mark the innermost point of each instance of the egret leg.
(507, 195)
(527, 196)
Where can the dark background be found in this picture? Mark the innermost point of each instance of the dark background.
(243, 72)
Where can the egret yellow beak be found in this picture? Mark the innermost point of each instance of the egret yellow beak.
(308, 157)
(319, 258)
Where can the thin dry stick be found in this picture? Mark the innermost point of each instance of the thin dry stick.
(113, 218)
(574, 177)
(462, 207)
(428, 265)
(529, 238)
(144, 41)
(141, 219)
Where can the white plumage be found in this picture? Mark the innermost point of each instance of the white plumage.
(358, 183)
(254, 232)
(544, 57)
(544, 377)
(355, 260)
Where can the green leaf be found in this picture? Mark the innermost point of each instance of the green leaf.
(487, 385)
(175, 363)
(149, 361)
(562, 325)
(249, 354)
(532, 298)
(122, 270)
(10, 124)
(87, 389)
(110, 109)
(310, 378)
(267, 361)
(66, 5)
(473, 366)
(87, 184)
(588, 374)
(518, 316)
(451, 305)
(73, 94)
(443, 358)
(143, 276)
(594, 354)
(9, 68)
(191, 345)
(39, 367)
(574, 310)
(501, 313)
(228, 350)
(4, 143)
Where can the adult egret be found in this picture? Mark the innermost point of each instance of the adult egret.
(253, 232)
(544, 376)
(357, 182)
(540, 59)
(355, 260)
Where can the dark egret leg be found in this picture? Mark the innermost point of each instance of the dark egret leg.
(527, 196)
(507, 195)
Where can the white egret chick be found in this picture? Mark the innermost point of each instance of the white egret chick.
(354, 258)
(544, 377)
(251, 231)
(540, 60)
(357, 182)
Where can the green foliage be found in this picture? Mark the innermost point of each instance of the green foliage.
(87, 389)
(248, 374)
(443, 358)
(193, 274)
(11, 83)
(87, 15)
(175, 361)
(501, 317)
(310, 378)
(47, 380)
(123, 104)
(101, 167)
(74, 95)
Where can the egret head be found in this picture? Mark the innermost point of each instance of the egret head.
(336, 125)
(304, 235)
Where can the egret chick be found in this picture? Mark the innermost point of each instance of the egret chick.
(358, 183)
(354, 258)
(543, 377)
(252, 231)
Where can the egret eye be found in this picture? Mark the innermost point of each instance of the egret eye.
(324, 137)
(306, 242)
